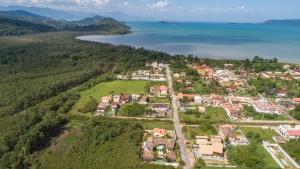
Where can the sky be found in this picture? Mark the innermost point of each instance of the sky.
(179, 10)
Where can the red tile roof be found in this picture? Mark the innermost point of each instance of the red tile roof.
(294, 132)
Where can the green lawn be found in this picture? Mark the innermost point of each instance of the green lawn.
(212, 115)
(108, 88)
(252, 156)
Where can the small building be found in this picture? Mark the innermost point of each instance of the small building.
(289, 132)
(102, 107)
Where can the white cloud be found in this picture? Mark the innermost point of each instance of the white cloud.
(91, 2)
(160, 5)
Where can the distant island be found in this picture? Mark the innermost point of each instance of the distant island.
(168, 22)
(285, 22)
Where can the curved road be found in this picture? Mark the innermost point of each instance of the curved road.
(188, 160)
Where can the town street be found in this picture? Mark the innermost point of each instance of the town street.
(188, 160)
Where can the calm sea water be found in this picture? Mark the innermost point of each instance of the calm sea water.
(212, 40)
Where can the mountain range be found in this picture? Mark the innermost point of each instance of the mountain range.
(21, 22)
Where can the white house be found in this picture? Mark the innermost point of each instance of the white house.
(289, 132)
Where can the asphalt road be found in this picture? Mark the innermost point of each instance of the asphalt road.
(188, 160)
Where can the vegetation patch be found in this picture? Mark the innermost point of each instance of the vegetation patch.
(102, 143)
(249, 111)
(292, 148)
(212, 115)
(134, 109)
(150, 125)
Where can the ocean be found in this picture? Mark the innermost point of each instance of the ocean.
(211, 40)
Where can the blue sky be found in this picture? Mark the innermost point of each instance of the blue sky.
(179, 10)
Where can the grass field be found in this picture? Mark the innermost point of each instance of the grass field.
(257, 135)
(264, 134)
(213, 115)
(293, 149)
(108, 88)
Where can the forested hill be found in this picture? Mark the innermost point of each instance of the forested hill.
(18, 27)
(22, 22)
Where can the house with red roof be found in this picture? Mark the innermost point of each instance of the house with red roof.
(296, 100)
(289, 132)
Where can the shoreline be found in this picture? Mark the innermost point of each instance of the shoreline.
(172, 55)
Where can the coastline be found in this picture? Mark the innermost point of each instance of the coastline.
(209, 40)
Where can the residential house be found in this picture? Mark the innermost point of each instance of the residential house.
(135, 97)
(102, 107)
(125, 98)
(289, 132)
(204, 71)
(122, 77)
(228, 131)
(116, 98)
(217, 100)
(233, 110)
(296, 100)
(162, 110)
(106, 99)
(262, 106)
(157, 132)
(209, 148)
